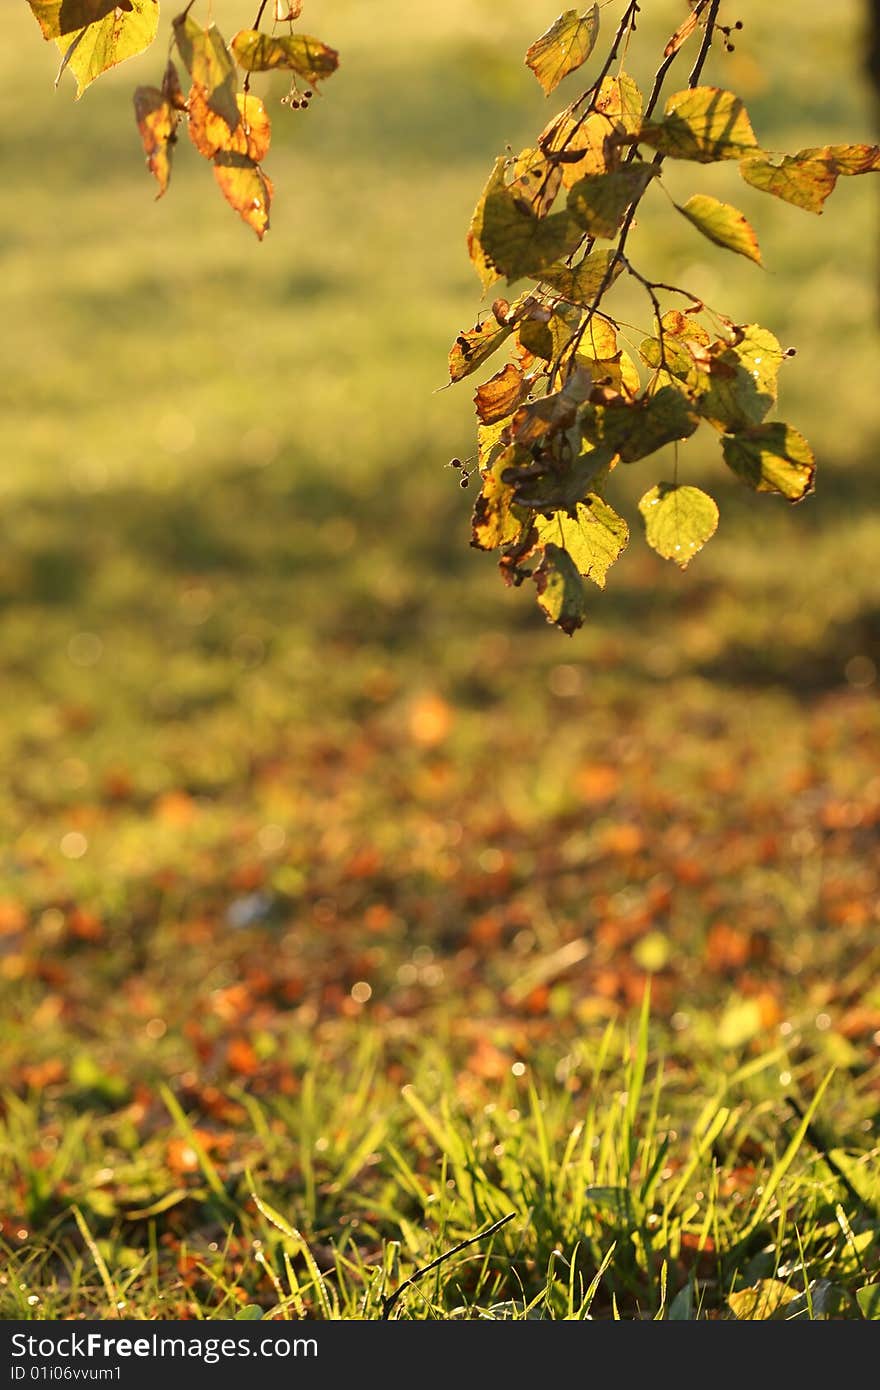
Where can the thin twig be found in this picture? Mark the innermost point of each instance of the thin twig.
(708, 35)
(390, 1299)
(246, 85)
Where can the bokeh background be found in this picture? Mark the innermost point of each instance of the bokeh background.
(281, 755)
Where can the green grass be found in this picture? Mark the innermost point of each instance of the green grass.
(332, 878)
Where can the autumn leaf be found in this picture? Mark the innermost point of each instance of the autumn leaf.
(552, 413)
(723, 224)
(592, 144)
(157, 122)
(704, 124)
(679, 520)
(209, 64)
(741, 386)
(598, 202)
(245, 187)
(536, 181)
(496, 520)
(507, 239)
(210, 134)
(766, 1299)
(594, 536)
(581, 283)
(500, 395)
(564, 48)
(807, 178)
(560, 589)
(772, 458)
(471, 349)
(474, 346)
(634, 429)
(121, 34)
(309, 58)
(682, 34)
(59, 17)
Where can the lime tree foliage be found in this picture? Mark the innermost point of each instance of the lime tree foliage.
(205, 84)
(571, 405)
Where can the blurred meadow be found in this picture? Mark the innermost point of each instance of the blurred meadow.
(328, 870)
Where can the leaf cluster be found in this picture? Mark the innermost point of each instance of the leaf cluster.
(572, 404)
(228, 125)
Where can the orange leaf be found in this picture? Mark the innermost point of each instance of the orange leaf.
(157, 122)
(210, 134)
(246, 188)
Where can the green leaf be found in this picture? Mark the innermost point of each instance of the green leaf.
(506, 238)
(684, 355)
(741, 378)
(772, 458)
(209, 63)
(581, 284)
(766, 1299)
(252, 1312)
(59, 17)
(595, 536)
(807, 178)
(637, 428)
(599, 201)
(678, 521)
(118, 36)
(496, 521)
(309, 58)
(705, 124)
(868, 1299)
(566, 45)
(723, 224)
(560, 588)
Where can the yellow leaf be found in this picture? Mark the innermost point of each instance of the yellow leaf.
(210, 134)
(807, 178)
(772, 458)
(157, 122)
(678, 521)
(59, 17)
(120, 35)
(594, 537)
(309, 58)
(723, 224)
(704, 124)
(565, 46)
(496, 520)
(246, 188)
(599, 201)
